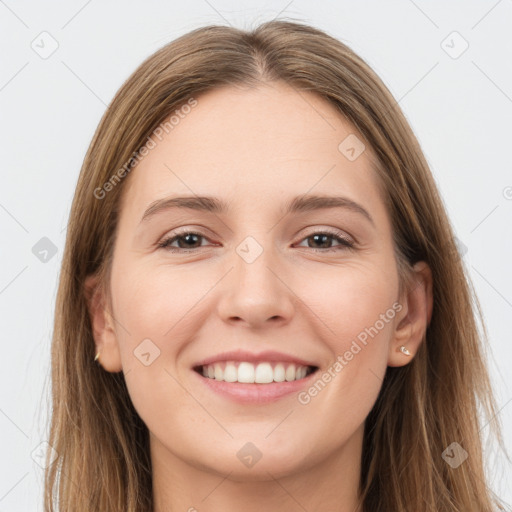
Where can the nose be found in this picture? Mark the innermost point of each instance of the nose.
(256, 293)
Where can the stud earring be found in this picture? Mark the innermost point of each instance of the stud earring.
(97, 356)
(404, 351)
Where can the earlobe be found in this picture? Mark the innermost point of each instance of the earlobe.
(102, 326)
(412, 324)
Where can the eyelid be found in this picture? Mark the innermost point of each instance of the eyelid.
(190, 229)
(345, 241)
(178, 233)
(336, 232)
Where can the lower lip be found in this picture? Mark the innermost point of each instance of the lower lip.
(245, 393)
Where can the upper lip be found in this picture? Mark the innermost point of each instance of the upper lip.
(250, 357)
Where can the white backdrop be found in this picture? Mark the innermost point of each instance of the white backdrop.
(448, 64)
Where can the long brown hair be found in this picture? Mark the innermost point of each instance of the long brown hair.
(101, 443)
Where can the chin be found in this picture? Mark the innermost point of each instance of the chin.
(258, 460)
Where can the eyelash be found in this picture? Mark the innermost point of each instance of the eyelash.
(344, 242)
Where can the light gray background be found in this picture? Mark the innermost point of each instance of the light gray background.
(459, 105)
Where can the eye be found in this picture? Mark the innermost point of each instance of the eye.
(323, 237)
(189, 237)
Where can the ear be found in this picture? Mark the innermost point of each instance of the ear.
(414, 317)
(102, 323)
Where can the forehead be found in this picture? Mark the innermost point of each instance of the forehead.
(254, 145)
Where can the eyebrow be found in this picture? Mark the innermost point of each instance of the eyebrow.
(217, 206)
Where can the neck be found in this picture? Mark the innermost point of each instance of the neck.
(330, 482)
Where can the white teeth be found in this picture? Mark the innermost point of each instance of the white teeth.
(246, 373)
(262, 373)
(291, 374)
(279, 373)
(230, 372)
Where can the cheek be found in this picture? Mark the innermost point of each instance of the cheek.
(358, 311)
(357, 303)
(157, 303)
(156, 312)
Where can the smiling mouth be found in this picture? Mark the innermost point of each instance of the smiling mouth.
(249, 373)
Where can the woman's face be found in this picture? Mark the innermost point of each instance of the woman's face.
(313, 284)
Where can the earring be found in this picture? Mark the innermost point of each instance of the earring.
(404, 351)
(97, 356)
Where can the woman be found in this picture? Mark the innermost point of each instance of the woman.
(207, 353)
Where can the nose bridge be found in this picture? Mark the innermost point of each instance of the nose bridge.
(256, 291)
(254, 262)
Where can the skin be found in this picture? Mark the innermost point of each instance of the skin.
(255, 149)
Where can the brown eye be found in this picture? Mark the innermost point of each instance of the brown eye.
(186, 241)
(324, 241)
